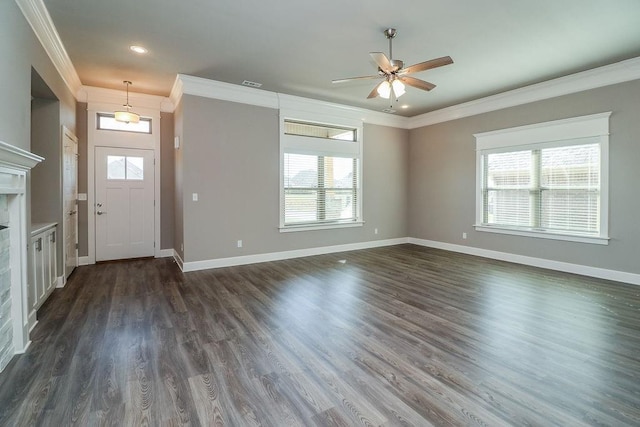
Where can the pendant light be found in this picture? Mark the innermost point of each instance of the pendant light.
(127, 116)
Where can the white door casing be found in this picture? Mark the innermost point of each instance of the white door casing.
(104, 101)
(124, 214)
(70, 201)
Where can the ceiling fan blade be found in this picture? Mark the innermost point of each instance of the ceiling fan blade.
(374, 92)
(427, 65)
(349, 79)
(417, 83)
(382, 61)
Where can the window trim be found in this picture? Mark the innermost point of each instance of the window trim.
(310, 145)
(112, 116)
(546, 135)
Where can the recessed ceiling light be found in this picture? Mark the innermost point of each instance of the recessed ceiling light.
(404, 107)
(138, 49)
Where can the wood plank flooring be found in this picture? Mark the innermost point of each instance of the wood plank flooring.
(395, 336)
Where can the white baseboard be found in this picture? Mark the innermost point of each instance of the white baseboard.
(277, 256)
(178, 259)
(165, 253)
(584, 270)
(32, 320)
(84, 260)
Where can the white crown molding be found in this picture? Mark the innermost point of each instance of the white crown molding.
(619, 72)
(99, 95)
(176, 91)
(36, 13)
(198, 86)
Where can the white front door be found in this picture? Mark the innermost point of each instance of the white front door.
(124, 203)
(70, 209)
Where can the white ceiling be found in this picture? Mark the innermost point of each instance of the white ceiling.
(297, 47)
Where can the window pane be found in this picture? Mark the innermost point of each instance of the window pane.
(339, 204)
(571, 167)
(570, 180)
(508, 182)
(319, 131)
(319, 189)
(571, 210)
(301, 206)
(509, 170)
(116, 167)
(135, 168)
(508, 207)
(300, 171)
(108, 122)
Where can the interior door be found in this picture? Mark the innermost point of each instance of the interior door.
(124, 203)
(70, 212)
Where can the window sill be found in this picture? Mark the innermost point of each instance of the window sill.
(312, 227)
(596, 240)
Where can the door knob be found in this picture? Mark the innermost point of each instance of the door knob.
(100, 213)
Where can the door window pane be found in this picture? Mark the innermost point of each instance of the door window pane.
(125, 167)
(116, 167)
(135, 168)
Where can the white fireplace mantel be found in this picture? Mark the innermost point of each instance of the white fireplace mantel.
(15, 163)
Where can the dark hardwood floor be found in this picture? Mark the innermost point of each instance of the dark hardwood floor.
(401, 335)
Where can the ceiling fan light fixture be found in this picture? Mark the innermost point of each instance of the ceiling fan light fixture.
(127, 116)
(398, 88)
(384, 89)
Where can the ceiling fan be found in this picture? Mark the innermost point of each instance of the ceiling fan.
(395, 74)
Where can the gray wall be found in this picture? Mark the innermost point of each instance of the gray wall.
(20, 50)
(83, 218)
(167, 184)
(230, 154)
(442, 179)
(178, 231)
(46, 178)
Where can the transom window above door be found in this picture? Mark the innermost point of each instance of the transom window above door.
(107, 121)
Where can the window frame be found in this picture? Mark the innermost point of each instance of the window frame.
(558, 133)
(99, 115)
(317, 146)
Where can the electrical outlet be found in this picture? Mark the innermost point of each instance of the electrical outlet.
(464, 235)
(194, 196)
(375, 231)
(239, 243)
(181, 247)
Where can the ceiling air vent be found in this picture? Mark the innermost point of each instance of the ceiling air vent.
(251, 84)
(389, 110)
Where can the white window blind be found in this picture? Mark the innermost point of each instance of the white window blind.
(320, 175)
(550, 189)
(540, 181)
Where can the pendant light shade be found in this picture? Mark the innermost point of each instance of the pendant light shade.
(127, 116)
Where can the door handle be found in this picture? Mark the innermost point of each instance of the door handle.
(72, 213)
(100, 212)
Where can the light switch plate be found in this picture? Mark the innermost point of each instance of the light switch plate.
(195, 197)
